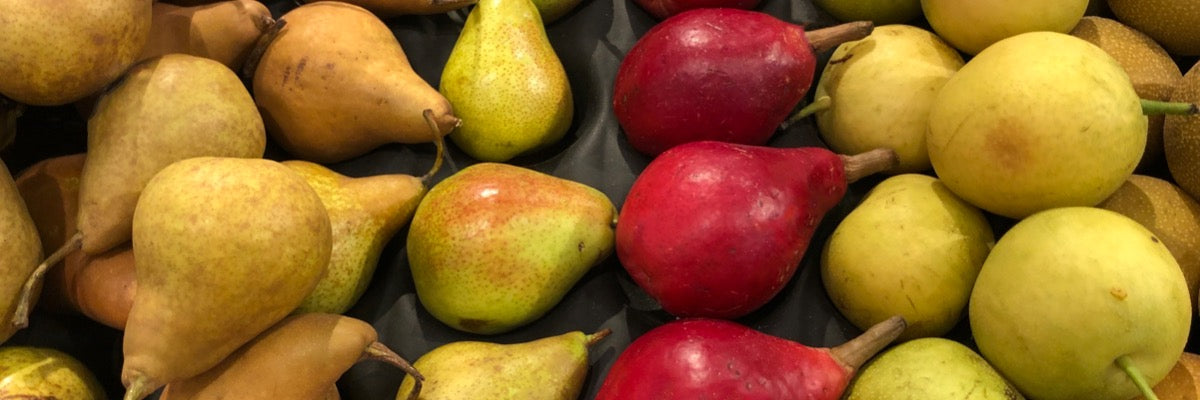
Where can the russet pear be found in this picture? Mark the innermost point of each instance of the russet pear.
(224, 31)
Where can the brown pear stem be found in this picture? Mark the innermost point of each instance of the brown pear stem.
(20, 317)
(857, 351)
(597, 337)
(863, 164)
(9, 112)
(824, 39)
(380, 352)
(260, 47)
(139, 386)
(438, 141)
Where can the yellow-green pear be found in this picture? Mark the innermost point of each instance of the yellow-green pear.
(551, 368)
(1080, 303)
(28, 372)
(506, 83)
(930, 368)
(1036, 121)
(881, 91)
(910, 248)
(20, 250)
(225, 248)
(57, 52)
(971, 26)
(495, 246)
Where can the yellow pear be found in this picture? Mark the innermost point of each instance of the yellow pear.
(21, 249)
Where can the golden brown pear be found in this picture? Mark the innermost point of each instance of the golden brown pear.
(224, 31)
(20, 250)
(1174, 24)
(57, 52)
(299, 358)
(334, 83)
(1181, 136)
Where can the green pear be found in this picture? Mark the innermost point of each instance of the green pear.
(21, 248)
(881, 92)
(506, 83)
(225, 248)
(931, 368)
(364, 214)
(1036, 121)
(1080, 303)
(44, 373)
(971, 26)
(910, 248)
(551, 368)
(881, 12)
(495, 246)
(62, 51)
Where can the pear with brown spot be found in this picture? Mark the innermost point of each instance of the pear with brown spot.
(334, 83)
(44, 373)
(300, 358)
(495, 246)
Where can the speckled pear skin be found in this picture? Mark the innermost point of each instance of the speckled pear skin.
(165, 109)
(226, 248)
(20, 249)
(495, 246)
(44, 373)
(57, 52)
(299, 358)
(365, 213)
(551, 368)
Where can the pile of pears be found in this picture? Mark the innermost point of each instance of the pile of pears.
(465, 199)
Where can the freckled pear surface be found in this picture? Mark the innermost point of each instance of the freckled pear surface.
(1036, 121)
(44, 373)
(496, 246)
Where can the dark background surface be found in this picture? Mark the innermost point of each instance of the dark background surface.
(590, 41)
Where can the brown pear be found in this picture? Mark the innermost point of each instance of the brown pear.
(226, 247)
(224, 31)
(1174, 24)
(1151, 70)
(57, 52)
(102, 286)
(1172, 215)
(1182, 382)
(20, 249)
(334, 83)
(393, 8)
(1181, 136)
(299, 358)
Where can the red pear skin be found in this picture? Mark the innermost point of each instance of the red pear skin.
(713, 229)
(717, 74)
(716, 359)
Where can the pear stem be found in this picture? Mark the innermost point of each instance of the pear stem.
(819, 104)
(863, 164)
(25, 302)
(1136, 376)
(1155, 107)
(260, 47)
(854, 353)
(438, 141)
(597, 337)
(139, 387)
(824, 39)
(9, 112)
(380, 352)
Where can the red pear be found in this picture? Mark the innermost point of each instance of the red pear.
(714, 229)
(718, 74)
(716, 359)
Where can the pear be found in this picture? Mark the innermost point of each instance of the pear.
(931, 368)
(334, 83)
(300, 358)
(881, 90)
(553, 10)
(60, 52)
(506, 83)
(972, 26)
(1181, 383)
(1168, 212)
(1174, 24)
(1015, 131)
(28, 372)
(393, 8)
(881, 12)
(1151, 70)
(226, 247)
(1080, 303)
(495, 246)
(20, 246)
(551, 368)
(1181, 136)
(910, 248)
(224, 31)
